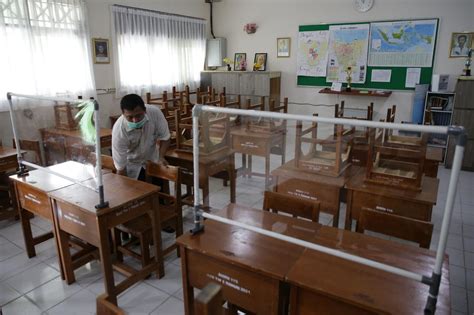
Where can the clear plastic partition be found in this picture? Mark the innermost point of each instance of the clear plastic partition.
(308, 160)
(353, 175)
(57, 136)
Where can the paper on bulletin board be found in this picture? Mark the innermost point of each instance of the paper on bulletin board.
(348, 48)
(312, 53)
(381, 75)
(413, 77)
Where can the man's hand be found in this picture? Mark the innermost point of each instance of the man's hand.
(122, 172)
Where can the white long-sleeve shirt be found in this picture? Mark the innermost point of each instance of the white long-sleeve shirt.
(131, 148)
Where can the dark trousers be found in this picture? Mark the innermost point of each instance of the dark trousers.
(163, 184)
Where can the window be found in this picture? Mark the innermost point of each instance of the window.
(45, 48)
(156, 51)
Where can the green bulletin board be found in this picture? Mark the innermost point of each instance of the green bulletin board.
(397, 81)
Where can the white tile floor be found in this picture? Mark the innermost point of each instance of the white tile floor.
(33, 286)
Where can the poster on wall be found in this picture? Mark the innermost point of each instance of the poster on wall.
(312, 53)
(402, 43)
(348, 49)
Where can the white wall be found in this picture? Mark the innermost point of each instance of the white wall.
(278, 18)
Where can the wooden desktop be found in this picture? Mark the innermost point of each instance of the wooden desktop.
(255, 271)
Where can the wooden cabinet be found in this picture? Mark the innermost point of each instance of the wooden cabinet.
(251, 84)
(464, 116)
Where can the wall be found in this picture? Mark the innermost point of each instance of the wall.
(278, 18)
(99, 26)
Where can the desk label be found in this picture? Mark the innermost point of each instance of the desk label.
(249, 144)
(73, 218)
(131, 206)
(383, 209)
(313, 167)
(302, 194)
(228, 281)
(32, 198)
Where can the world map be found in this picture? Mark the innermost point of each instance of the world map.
(402, 43)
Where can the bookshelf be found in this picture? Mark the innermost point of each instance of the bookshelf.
(438, 111)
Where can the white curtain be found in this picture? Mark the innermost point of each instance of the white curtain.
(44, 48)
(155, 51)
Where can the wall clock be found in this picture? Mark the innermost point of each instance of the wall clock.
(363, 5)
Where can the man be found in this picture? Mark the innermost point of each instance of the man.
(461, 48)
(139, 135)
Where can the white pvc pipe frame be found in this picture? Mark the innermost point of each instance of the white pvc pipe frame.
(65, 100)
(458, 155)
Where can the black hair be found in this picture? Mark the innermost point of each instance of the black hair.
(131, 101)
(465, 37)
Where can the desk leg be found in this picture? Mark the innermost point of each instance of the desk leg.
(335, 220)
(249, 174)
(232, 176)
(27, 234)
(188, 292)
(205, 190)
(106, 261)
(267, 171)
(283, 150)
(64, 254)
(244, 165)
(348, 225)
(156, 228)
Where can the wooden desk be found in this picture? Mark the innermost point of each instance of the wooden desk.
(251, 143)
(8, 163)
(434, 156)
(326, 189)
(73, 142)
(31, 193)
(75, 215)
(209, 165)
(408, 203)
(248, 265)
(8, 159)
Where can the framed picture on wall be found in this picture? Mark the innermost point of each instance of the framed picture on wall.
(101, 50)
(283, 47)
(260, 62)
(460, 44)
(240, 62)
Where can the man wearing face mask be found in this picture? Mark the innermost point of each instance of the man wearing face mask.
(139, 135)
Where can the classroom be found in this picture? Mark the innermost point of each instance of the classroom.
(236, 157)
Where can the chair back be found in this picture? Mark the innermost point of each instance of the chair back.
(394, 225)
(297, 207)
(107, 161)
(169, 173)
(32, 146)
(209, 301)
